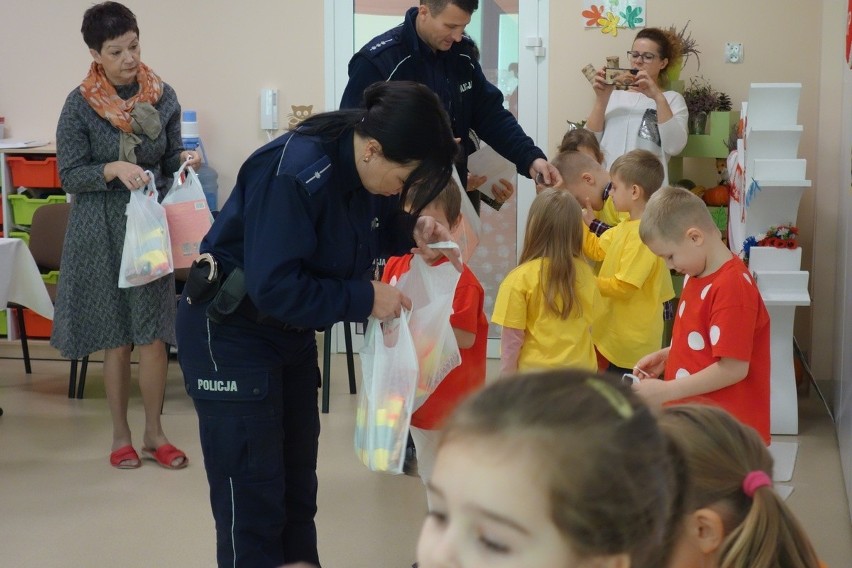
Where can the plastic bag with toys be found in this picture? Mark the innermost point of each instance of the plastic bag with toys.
(431, 289)
(188, 215)
(389, 370)
(147, 253)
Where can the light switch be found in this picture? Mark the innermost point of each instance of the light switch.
(733, 52)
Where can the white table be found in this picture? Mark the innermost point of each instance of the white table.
(20, 280)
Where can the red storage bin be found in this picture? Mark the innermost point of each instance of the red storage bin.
(33, 172)
(37, 326)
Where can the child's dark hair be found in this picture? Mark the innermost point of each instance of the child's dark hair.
(614, 481)
(448, 201)
(577, 138)
(642, 168)
(106, 21)
(721, 453)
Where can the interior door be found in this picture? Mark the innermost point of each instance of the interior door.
(511, 36)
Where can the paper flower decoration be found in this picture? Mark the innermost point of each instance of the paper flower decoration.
(632, 16)
(593, 14)
(609, 24)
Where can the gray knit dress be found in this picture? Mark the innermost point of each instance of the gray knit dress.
(92, 312)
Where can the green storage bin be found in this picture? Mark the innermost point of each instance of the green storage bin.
(24, 207)
(51, 277)
(23, 235)
(720, 217)
(4, 329)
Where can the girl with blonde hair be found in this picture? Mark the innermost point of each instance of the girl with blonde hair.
(548, 303)
(734, 518)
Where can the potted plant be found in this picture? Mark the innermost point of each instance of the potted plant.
(701, 99)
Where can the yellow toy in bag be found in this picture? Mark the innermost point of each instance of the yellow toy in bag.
(389, 369)
(147, 253)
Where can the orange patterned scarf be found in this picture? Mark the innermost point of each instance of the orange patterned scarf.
(101, 95)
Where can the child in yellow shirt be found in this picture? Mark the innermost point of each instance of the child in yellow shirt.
(549, 303)
(633, 281)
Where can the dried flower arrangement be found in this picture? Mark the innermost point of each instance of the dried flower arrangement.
(688, 44)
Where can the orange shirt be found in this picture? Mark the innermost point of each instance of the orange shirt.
(468, 315)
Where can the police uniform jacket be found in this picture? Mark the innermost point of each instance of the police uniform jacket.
(471, 101)
(305, 232)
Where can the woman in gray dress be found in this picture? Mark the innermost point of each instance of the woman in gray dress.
(122, 120)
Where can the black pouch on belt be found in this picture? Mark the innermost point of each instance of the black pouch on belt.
(203, 280)
(229, 297)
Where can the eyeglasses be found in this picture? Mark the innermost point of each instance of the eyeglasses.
(648, 57)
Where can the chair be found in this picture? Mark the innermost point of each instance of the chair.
(326, 364)
(47, 235)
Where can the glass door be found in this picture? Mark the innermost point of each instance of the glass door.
(510, 35)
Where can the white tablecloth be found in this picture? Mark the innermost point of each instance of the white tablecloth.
(20, 281)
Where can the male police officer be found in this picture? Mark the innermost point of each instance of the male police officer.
(430, 47)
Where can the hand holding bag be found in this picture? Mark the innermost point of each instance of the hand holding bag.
(188, 215)
(147, 253)
(389, 370)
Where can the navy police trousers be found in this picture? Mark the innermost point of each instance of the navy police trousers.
(255, 392)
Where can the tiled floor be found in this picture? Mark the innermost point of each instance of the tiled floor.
(62, 505)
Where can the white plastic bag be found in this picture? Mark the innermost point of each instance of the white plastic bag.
(431, 290)
(188, 216)
(147, 253)
(389, 370)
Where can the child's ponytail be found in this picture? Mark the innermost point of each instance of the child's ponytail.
(769, 536)
(729, 470)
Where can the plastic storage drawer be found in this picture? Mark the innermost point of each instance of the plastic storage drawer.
(24, 207)
(29, 172)
(37, 326)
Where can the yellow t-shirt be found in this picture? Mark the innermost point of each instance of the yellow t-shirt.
(549, 341)
(631, 324)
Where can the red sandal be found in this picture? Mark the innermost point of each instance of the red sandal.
(165, 455)
(119, 457)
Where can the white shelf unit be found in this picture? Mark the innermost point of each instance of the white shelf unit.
(774, 181)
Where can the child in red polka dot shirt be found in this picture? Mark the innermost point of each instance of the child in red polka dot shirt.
(719, 352)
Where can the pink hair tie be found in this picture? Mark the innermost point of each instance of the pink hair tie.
(754, 481)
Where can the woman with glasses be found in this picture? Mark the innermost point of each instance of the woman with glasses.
(645, 115)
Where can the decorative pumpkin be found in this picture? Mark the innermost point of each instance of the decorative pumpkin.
(716, 196)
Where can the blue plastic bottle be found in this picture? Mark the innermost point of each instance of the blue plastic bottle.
(208, 176)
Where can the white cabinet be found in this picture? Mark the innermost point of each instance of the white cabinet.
(770, 188)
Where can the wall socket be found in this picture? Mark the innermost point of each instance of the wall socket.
(733, 52)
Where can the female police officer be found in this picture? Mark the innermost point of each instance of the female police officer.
(288, 254)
